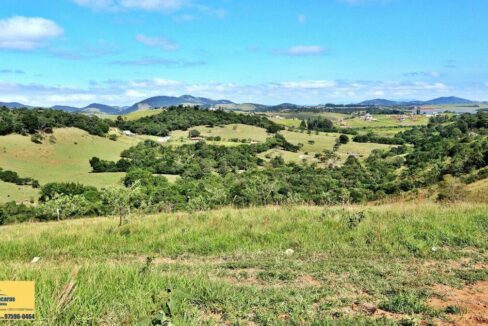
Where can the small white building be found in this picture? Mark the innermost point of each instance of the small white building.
(127, 133)
(164, 139)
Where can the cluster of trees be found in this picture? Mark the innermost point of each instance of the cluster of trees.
(215, 176)
(455, 146)
(373, 138)
(192, 160)
(183, 118)
(32, 121)
(13, 177)
(324, 125)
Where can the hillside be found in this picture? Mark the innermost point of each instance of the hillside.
(437, 101)
(295, 265)
(166, 101)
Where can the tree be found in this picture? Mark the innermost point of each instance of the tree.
(120, 199)
(194, 133)
(63, 206)
(343, 139)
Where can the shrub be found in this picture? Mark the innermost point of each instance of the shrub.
(37, 138)
(451, 190)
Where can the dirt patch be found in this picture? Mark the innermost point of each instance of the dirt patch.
(308, 280)
(472, 300)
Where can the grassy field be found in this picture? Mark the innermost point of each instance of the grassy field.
(310, 115)
(133, 115)
(63, 161)
(311, 143)
(287, 122)
(381, 120)
(226, 132)
(12, 192)
(290, 265)
(361, 149)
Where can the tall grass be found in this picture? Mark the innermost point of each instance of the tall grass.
(230, 266)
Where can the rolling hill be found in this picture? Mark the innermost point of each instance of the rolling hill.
(165, 101)
(437, 101)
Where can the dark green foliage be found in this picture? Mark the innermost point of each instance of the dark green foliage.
(372, 138)
(14, 213)
(32, 121)
(37, 138)
(193, 133)
(183, 118)
(193, 160)
(343, 139)
(13, 177)
(49, 190)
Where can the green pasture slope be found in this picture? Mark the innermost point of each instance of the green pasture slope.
(351, 265)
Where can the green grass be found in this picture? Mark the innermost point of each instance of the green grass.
(382, 120)
(321, 142)
(286, 122)
(66, 160)
(361, 149)
(12, 192)
(230, 267)
(226, 132)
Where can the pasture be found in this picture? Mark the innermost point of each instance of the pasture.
(63, 159)
(375, 265)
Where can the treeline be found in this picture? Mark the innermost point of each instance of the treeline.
(455, 146)
(324, 125)
(13, 177)
(278, 184)
(192, 160)
(183, 118)
(448, 146)
(373, 138)
(32, 121)
(344, 109)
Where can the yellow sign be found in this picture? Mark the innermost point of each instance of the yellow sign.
(17, 300)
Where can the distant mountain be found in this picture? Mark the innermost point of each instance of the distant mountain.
(438, 101)
(448, 100)
(165, 101)
(65, 108)
(97, 108)
(379, 102)
(13, 105)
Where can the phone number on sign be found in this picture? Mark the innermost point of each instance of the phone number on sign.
(18, 316)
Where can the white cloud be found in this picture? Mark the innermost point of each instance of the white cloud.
(159, 42)
(27, 33)
(302, 19)
(154, 5)
(165, 6)
(96, 4)
(309, 84)
(302, 50)
(433, 74)
(153, 61)
(127, 92)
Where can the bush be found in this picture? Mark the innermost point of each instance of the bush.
(451, 190)
(51, 190)
(343, 139)
(37, 138)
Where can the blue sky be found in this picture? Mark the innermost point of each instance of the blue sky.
(76, 52)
